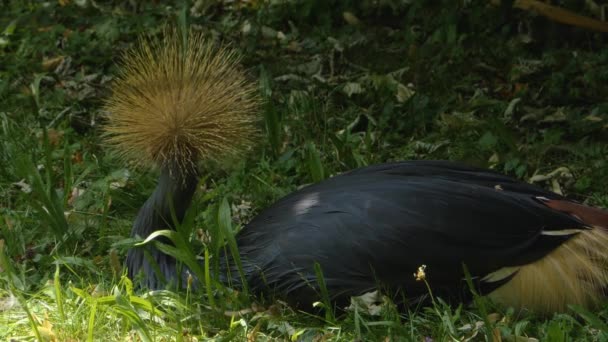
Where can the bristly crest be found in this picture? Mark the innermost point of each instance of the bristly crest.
(174, 103)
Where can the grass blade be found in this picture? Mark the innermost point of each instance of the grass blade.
(7, 266)
(313, 160)
(58, 293)
(225, 222)
(329, 313)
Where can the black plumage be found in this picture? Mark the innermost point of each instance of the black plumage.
(375, 226)
(179, 102)
(167, 203)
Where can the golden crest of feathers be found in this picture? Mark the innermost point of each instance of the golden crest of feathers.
(177, 102)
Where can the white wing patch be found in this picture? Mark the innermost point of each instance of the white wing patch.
(309, 201)
(562, 232)
(501, 274)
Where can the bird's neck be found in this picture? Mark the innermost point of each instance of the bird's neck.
(173, 194)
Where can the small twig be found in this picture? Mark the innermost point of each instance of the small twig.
(559, 15)
(58, 117)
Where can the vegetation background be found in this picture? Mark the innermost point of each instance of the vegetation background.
(346, 83)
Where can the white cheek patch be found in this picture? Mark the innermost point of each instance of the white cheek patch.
(304, 205)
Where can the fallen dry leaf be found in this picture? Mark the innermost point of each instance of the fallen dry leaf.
(51, 63)
(350, 18)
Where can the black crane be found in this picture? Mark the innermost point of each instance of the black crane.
(374, 226)
(178, 102)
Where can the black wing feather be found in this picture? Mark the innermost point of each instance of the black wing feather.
(374, 226)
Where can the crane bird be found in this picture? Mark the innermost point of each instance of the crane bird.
(179, 102)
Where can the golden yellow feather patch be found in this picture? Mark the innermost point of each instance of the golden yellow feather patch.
(176, 102)
(574, 273)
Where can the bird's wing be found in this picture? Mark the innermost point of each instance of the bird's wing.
(454, 171)
(378, 224)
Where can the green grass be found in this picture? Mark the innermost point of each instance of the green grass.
(411, 81)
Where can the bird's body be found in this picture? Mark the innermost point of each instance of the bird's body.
(180, 101)
(375, 226)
